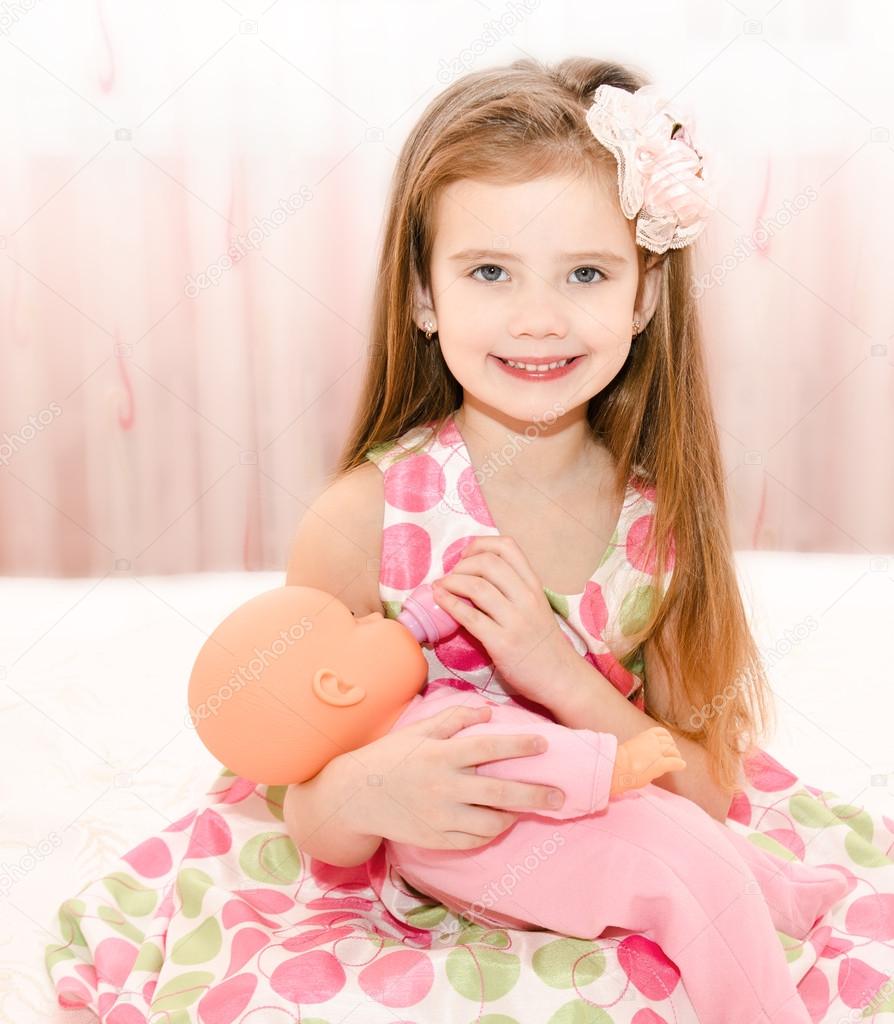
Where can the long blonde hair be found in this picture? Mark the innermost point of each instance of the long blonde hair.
(518, 123)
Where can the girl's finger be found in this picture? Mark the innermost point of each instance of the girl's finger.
(477, 620)
(508, 549)
(488, 565)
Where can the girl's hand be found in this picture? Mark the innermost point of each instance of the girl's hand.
(418, 784)
(512, 617)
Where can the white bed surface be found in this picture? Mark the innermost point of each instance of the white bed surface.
(98, 753)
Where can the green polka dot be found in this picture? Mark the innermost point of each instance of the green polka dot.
(200, 945)
(192, 884)
(131, 896)
(857, 819)
(769, 844)
(558, 602)
(55, 954)
(180, 992)
(114, 919)
(579, 1012)
(392, 609)
(568, 962)
(482, 974)
(610, 550)
(427, 917)
(807, 810)
(271, 858)
(275, 799)
(864, 853)
(636, 609)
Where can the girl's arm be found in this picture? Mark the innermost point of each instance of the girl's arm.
(590, 701)
(318, 817)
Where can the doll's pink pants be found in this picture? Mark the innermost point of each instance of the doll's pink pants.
(650, 861)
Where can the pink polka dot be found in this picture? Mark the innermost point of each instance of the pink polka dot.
(246, 943)
(72, 993)
(88, 973)
(765, 773)
(872, 916)
(454, 552)
(414, 484)
(740, 809)
(225, 1002)
(858, 982)
(814, 991)
(450, 681)
(593, 610)
(329, 876)
(471, 497)
(406, 555)
(211, 836)
(309, 978)
(151, 859)
(649, 970)
(114, 959)
(789, 839)
(462, 652)
(647, 1016)
(638, 553)
(643, 487)
(449, 435)
(623, 680)
(403, 978)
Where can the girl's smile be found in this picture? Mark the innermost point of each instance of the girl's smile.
(520, 369)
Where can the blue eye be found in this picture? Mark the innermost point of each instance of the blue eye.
(493, 266)
(486, 266)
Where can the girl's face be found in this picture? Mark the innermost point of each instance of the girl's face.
(545, 269)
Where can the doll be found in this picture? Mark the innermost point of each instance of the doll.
(291, 679)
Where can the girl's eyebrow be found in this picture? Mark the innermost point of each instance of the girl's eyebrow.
(599, 255)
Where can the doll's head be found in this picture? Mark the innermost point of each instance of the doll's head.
(291, 679)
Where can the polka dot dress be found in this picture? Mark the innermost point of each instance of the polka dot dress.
(434, 507)
(220, 918)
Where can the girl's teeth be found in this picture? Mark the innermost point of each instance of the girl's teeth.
(537, 368)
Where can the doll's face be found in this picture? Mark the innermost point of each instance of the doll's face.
(534, 285)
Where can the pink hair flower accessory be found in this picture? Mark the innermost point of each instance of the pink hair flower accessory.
(662, 177)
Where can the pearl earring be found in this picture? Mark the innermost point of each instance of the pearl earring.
(637, 327)
(429, 327)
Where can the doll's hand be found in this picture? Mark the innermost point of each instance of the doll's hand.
(649, 754)
(511, 617)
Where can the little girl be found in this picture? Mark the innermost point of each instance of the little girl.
(535, 217)
(537, 404)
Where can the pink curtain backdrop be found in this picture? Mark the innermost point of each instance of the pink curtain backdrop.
(163, 410)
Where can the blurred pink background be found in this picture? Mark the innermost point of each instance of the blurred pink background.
(163, 412)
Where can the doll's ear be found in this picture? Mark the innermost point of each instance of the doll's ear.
(332, 690)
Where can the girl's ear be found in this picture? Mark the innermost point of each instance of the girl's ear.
(423, 308)
(649, 289)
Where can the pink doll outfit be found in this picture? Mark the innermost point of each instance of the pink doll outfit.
(647, 860)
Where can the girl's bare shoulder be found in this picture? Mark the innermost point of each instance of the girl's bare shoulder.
(337, 546)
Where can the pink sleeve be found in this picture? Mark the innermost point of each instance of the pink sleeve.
(577, 761)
